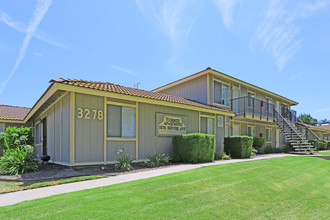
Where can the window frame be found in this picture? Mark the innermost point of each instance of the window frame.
(270, 135)
(121, 138)
(255, 130)
(4, 126)
(222, 100)
(253, 99)
(214, 123)
(269, 110)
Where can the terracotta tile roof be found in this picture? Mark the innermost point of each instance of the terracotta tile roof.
(8, 112)
(110, 87)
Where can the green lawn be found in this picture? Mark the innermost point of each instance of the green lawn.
(12, 186)
(282, 188)
(324, 153)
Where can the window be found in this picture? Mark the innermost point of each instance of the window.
(268, 135)
(207, 125)
(251, 97)
(252, 131)
(38, 139)
(221, 93)
(121, 121)
(269, 103)
(2, 127)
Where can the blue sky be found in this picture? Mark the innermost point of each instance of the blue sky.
(282, 46)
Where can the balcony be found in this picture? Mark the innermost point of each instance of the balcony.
(252, 108)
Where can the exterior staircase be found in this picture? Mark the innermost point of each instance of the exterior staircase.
(293, 134)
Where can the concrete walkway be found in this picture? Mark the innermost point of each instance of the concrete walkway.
(17, 197)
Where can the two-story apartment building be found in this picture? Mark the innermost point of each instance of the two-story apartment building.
(80, 122)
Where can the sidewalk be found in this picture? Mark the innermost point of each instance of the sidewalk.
(17, 197)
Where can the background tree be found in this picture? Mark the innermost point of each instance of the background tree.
(308, 119)
(324, 121)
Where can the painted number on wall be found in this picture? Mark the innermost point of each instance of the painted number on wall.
(89, 113)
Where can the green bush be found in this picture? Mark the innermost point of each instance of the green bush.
(225, 157)
(320, 145)
(238, 147)
(328, 145)
(269, 149)
(157, 159)
(258, 142)
(19, 160)
(254, 152)
(14, 137)
(218, 156)
(193, 148)
(124, 160)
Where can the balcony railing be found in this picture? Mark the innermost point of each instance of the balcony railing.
(252, 107)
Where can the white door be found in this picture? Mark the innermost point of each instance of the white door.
(277, 138)
(235, 130)
(235, 100)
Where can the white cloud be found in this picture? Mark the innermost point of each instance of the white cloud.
(37, 54)
(38, 15)
(226, 7)
(21, 27)
(124, 70)
(279, 33)
(295, 76)
(322, 110)
(174, 18)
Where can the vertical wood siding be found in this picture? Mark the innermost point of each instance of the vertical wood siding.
(147, 128)
(89, 134)
(195, 89)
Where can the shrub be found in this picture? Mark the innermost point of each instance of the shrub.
(254, 152)
(124, 160)
(14, 137)
(328, 145)
(218, 156)
(225, 157)
(157, 159)
(193, 148)
(320, 145)
(269, 149)
(238, 147)
(19, 160)
(325, 144)
(258, 142)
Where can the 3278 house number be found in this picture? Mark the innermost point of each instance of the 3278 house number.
(89, 113)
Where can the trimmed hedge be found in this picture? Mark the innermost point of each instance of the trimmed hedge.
(258, 142)
(239, 147)
(193, 148)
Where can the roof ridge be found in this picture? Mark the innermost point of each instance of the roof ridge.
(14, 106)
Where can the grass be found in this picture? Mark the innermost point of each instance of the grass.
(6, 186)
(281, 188)
(324, 153)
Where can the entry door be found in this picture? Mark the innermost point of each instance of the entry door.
(277, 138)
(235, 100)
(44, 136)
(235, 130)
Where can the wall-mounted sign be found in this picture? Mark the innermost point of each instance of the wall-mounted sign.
(89, 114)
(168, 124)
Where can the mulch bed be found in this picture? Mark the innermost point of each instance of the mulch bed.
(49, 171)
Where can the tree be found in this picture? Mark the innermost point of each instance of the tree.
(324, 121)
(308, 119)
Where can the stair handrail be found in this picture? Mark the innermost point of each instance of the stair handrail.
(289, 124)
(317, 137)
